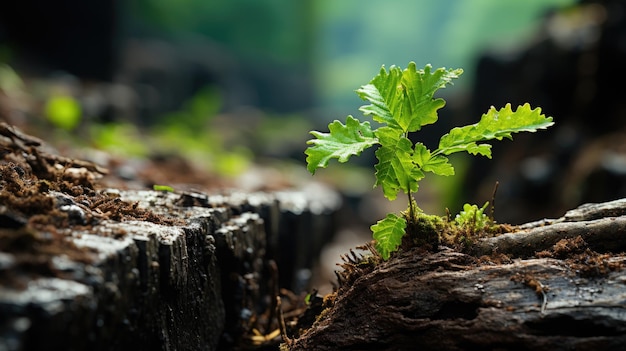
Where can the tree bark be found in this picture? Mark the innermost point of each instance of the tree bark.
(551, 285)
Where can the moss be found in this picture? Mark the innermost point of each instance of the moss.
(462, 237)
(430, 231)
(423, 230)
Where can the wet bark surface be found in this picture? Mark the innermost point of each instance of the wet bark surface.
(550, 285)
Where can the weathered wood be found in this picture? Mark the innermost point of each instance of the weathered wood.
(192, 286)
(602, 226)
(447, 300)
(83, 266)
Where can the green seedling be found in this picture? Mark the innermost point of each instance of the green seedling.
(472, 217)
(402, 102)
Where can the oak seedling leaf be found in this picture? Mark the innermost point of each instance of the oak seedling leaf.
(428, 162)
(403, 99)
(342, 142)
(395, 170)
(388, 234)
(495, 124)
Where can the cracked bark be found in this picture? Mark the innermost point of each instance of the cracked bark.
(526, 300)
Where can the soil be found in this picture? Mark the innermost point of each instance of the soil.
(41, 192)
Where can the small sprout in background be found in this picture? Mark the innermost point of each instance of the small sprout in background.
(64, 112)
(473, 218)
(165, 188)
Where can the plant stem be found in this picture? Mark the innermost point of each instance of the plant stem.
(408, 187)
(411, 209)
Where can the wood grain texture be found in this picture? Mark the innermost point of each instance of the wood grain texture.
(519, 298)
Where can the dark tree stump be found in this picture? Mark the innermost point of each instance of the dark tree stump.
(84, 266)
(554, 285)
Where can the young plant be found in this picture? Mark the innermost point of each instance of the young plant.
(402, 101)
(473, 217)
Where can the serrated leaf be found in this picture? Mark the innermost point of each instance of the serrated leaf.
(421, 154)
(495, 124)
(428, 163)
(479, 149)
(341, 142)
(419, 88)
(382, 93)
(388, 233)
(404, 98)
(395, 170)
(439, 165)
(473, 216)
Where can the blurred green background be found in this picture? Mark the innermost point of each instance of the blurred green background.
(339, 45)
(282, 56)
(234, 84)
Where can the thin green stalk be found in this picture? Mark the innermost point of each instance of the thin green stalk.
(411, 208)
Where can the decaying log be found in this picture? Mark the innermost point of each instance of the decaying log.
(522, 297)
(600, 225)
